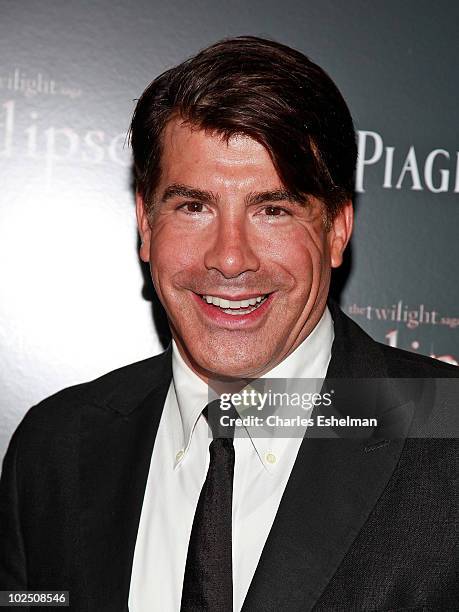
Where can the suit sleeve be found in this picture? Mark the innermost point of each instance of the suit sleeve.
(13, 571)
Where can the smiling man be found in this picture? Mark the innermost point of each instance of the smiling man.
(240, 263)
(244, 163)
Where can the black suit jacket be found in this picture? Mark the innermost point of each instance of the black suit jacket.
(361, 526)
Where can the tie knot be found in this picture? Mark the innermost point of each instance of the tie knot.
(221, 421)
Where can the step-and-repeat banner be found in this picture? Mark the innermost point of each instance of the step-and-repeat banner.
(75, 301)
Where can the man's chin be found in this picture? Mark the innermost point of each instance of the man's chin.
(217, 356)
(231, 368)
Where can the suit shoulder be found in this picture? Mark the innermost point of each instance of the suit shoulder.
(401, 363)
(118, 390)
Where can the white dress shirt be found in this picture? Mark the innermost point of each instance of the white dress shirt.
(178, 470)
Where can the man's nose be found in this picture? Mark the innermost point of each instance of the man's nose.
(230, 250)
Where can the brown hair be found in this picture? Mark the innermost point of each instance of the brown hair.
(262, 89)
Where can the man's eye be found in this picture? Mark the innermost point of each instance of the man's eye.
(274, 211)
(192, 207)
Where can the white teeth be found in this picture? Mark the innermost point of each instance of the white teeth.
(239, 311)
(232, 304)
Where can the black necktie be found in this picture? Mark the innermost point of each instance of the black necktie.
(208, 580)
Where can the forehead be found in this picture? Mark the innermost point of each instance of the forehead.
(190, 153)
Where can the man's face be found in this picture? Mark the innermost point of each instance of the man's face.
(241, 268)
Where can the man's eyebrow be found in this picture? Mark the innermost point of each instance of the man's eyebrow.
(184, 191)
(257, 197)
(274, 195)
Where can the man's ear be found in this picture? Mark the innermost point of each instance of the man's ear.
(143, 225)
(340, 233)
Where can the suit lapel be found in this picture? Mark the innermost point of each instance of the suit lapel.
(116, 446)
(333, 487)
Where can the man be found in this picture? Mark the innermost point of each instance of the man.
(244, 161)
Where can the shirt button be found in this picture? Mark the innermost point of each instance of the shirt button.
(179, 455)
(271, 458)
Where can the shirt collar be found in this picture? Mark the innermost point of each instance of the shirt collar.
(309, 360)
(192, 395)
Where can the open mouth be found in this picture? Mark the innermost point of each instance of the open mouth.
(236, 307)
